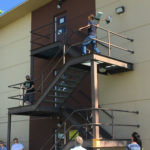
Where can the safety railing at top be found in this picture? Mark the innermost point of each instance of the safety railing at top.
(109, 44)
(89, 123)
(71, 38)
(45, 35)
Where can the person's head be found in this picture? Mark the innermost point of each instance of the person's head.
(27, 77)
(2, 144)
(79, 140)
(15, 140)
(136, 138)
(91, 17)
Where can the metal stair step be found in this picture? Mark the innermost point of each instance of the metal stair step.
(56, 96)
(76, 69)
(65, 85)
(72, 74)
(52, 101)
(63, 91)
(68, 80)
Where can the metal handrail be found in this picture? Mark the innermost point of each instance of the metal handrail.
(73, 45)
(113, 45)
(116, 34)
(38, 79)
(96, 124)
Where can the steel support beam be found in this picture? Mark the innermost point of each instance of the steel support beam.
(9, 132)
(110, 61)
(95, 103)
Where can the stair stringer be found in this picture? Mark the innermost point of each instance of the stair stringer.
(73, 61)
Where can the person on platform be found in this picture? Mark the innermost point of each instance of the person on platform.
(92, 27)
(29, 88)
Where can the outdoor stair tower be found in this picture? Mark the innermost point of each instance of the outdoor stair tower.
(53, 92)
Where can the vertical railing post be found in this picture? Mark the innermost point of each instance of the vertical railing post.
(52, 34)
(112, 113)
(87, 121)
(56, 139)
(42, 85)
(23, 96)
(95, 102)
(109, 45)
(64, 133)
(9, 131)
(64, 53)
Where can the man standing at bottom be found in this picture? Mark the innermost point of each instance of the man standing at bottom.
(78, 142)
(17, 145)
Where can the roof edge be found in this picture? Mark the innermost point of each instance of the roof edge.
(21, 10)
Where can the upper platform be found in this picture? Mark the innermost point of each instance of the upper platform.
(106, 65)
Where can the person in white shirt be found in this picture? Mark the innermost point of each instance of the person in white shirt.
(17, 145)
(78, 142)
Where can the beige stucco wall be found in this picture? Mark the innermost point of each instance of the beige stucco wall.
(14, 65)
(130, 90)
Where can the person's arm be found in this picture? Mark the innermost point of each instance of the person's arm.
(84, 27)
(22, 147)
(98, 24)
(23, 86)
(127, 148)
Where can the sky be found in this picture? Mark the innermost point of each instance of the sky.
(7, 5)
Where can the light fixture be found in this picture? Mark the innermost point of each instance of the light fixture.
(102, 70)
(108, 19)
(59, 3)
(120, 10)
(59, 124)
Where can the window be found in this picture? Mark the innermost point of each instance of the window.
(62, 20)
(60, 27)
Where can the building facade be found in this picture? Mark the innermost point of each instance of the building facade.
(36, 54)
(15, 63)
(129, 91)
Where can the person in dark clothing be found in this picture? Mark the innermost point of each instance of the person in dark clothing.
(29, 87)
(92, 26)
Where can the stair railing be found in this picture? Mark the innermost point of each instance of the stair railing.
(66, 49)
(112, 124)
(113, 45)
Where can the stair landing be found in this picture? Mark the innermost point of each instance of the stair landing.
(94, 143)
(106, 65)
(31, 111)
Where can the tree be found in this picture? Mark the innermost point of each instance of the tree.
(1, 11)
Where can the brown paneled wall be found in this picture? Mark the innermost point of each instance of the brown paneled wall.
(76, 12)
(41, 130)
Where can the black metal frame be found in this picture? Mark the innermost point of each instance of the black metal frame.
(93, 58)
(105, 110)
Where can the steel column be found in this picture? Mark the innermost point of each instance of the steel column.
(95, 103)
(9, 132)
(32, 67)
(109, 44)
(64, 53)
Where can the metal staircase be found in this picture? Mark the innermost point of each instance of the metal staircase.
(80, 122)
(65, 85)
(53, 92)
